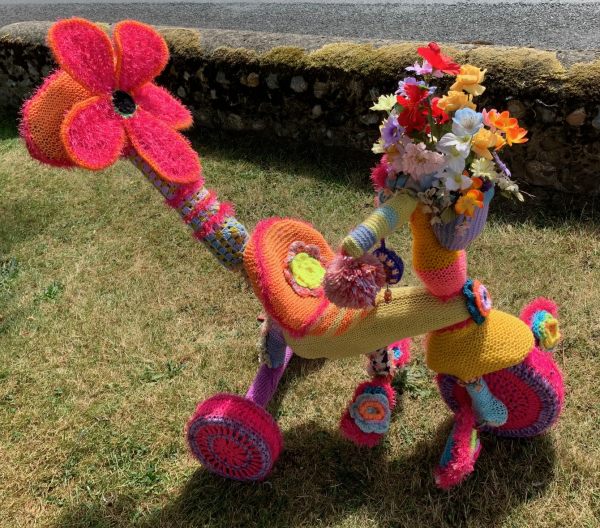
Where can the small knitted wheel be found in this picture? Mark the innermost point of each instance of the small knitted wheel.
(234, 438)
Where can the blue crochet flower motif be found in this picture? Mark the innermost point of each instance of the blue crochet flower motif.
(479, 300)
(371, 411)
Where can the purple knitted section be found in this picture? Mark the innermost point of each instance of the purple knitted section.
(454, 235)
(265, 383)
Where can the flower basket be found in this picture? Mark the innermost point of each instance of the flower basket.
(442, 151)
(461, 231)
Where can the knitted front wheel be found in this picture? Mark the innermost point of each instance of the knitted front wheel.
(234, 438)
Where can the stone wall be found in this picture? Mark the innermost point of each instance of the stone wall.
(318, 89)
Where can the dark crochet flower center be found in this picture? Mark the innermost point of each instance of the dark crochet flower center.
(123, 103)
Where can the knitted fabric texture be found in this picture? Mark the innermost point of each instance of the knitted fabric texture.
(488, 409)
(233, 437)
(354, 282)
(460, 232)
(265, 261)
(381, 223)
(43, 114)
(532, 392)
(411, 311)
(541, 315)
(215, 226)
(367, 417)
(461, 451)
(386, 361)
(474, 350)
(115, 105)
(265, 383)
(442, 271)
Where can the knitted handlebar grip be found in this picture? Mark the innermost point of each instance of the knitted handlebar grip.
(380, 223)
(213, 222)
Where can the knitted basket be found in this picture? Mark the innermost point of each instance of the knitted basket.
(454, 235)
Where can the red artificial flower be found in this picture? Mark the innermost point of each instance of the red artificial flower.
(439, 116)
(433, 55)
(414, 110)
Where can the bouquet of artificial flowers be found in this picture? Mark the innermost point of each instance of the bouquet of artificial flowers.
(442, 150)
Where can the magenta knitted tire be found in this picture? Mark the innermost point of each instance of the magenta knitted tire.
(234, 438)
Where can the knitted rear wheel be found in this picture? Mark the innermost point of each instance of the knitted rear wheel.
(234, 438)
(532, 395)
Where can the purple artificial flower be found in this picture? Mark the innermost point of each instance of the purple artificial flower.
(413, 81)
(391, 131)
(420, 70)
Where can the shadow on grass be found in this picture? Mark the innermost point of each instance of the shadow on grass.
(321, 479)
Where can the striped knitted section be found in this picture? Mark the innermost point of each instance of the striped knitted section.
(443, 271)
(381, 223)
(213, 222)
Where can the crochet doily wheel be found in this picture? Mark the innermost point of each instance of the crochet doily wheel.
(234, 438)
(533, 398)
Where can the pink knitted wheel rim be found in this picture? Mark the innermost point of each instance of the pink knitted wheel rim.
(234, 438)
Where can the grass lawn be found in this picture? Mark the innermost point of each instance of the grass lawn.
(114, 323)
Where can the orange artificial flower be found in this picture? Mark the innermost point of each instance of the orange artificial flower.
(516, 135)
(484, 140)
(501, 121)
(467, 203)
(477, 183)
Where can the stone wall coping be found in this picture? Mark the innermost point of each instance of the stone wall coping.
(578, 72)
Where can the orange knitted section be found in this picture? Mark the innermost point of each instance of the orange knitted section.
(265, 262)
(474, 350)
(427, 253)
(43, 115)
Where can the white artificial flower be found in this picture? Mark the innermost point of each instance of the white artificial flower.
(454, 145)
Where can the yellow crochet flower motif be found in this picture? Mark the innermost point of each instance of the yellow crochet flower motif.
(307, 271)
(454, 100)
(469, 80)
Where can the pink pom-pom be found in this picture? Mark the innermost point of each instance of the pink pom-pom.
(379, 174)
(354, 282)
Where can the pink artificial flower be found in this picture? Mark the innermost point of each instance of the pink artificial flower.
(418, 161)
(110, 101)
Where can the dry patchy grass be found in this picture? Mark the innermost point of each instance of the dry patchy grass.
(114, 323)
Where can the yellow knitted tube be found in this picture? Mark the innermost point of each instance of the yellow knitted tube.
(377, 223)
(412, 311)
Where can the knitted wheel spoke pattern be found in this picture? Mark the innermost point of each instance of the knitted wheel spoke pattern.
(533, 398)
(234, 438)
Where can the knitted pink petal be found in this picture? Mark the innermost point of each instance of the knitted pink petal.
(93, 134)
(160, 103)
(168, 153)
(141, 54)
(85, 52)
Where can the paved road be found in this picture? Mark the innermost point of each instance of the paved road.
(554, 25)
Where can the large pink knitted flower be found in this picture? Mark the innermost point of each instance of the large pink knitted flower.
(103, 102)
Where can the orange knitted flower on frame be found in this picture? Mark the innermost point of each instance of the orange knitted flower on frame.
(103, 101)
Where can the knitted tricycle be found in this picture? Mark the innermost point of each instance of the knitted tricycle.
(493, 370)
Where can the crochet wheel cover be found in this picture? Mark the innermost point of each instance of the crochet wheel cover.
(234, 438)
(533, 397)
